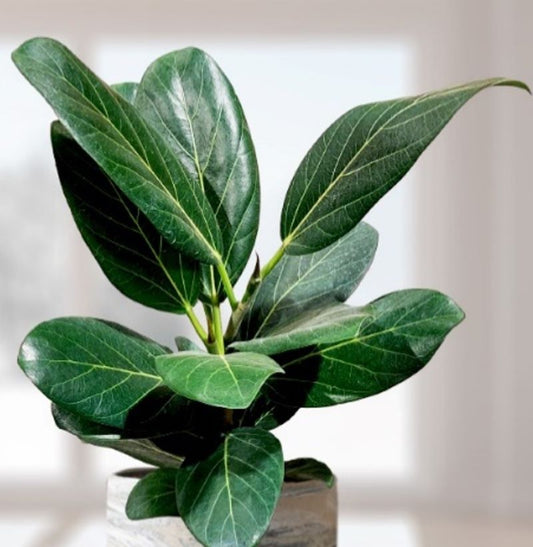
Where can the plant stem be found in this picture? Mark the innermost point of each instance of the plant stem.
(217, 327)
(228, 417)
(228, 288)
(216, 338)
(269, 266)
(200, 331)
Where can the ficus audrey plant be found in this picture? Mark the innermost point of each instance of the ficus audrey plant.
(162, 181)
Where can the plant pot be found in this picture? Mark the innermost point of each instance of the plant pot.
(306, 516)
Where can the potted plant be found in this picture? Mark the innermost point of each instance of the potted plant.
(162, 180)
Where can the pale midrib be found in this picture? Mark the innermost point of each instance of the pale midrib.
(103, 367)
(415, 101)
(334, 182)
(232, 374)
(290, 288)
(228, 488)
(294, 336)
(153, 251)
(358, 339)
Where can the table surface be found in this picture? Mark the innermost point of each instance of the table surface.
(367, 531)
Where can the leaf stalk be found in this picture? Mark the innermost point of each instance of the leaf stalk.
(228, 287)
(200, 331)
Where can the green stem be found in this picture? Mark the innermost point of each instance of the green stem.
(217, 327)
(200, 331)
(216, 339)
(209, 317)
(269, 266)
(228, 288)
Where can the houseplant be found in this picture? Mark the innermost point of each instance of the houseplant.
(162, 181)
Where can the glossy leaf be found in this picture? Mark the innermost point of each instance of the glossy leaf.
(130, 251)
(189, 100)
(97, 369)
(230, 381)
(298, 284)
(401, 334)
(324, 326)
(144, 449)
(360, 158)
(128, 149)
(308, 469)
(154, 496)
(229, 498)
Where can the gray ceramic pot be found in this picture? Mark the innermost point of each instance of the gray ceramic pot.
(306, 516)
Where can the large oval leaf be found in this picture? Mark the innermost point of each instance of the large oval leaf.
(97, 369)
(131, 252)
(229, 498)
(229, 381)
(189, 100)
(360, 158)
(401, 334)
(299, 284)
(144, 449)
(124, 145)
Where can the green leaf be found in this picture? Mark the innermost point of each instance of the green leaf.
(154, 496)
(308, 469)
(184, 344)
(359, 158)
(176, 424)
(97, 369)
(189, 100)
(229, 498)
(128, 149)
(299, 284)
(128, 90)
(400, 335)
(229, 381)
(320, 326)
(264, 412)
(130, 251)
(141, 448)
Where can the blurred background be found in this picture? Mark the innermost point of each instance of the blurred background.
(444, 459)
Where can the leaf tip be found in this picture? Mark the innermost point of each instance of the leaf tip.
(514, 83)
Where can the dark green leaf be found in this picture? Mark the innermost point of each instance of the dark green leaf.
(401, 334)
(308, 469)
(189, 100)
(229, 498)
(299, 284)
(154, 496)
(176, 424)
(330, 325)
(97, 369)
(264, 412)
(130, 251)
(128, 149)
(144, 449)
(360, 158)
(229, 381)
